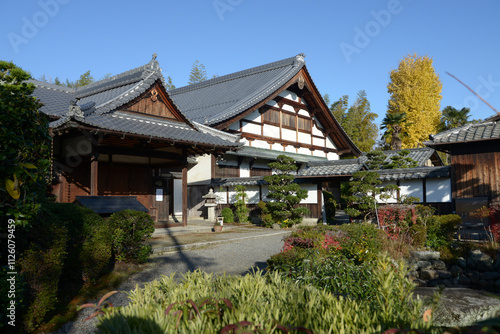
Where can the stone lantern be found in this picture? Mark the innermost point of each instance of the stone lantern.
(210, 204)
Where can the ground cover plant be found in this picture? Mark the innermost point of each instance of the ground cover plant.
(270, 303)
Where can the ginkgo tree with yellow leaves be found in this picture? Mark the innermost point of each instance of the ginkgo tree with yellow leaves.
(415, 90)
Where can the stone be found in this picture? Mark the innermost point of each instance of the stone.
(422, 265)
(497, 284)
(276, 227)
(420, 282)
(462, 263)
(449, 283)
(490, 276)
(474, 276)
(464, 280)
(428, 274)
(444, 274)
(438, 265)
(425, 255)
(485, 284)
(455, 271)
(461, 307)
(478, 260)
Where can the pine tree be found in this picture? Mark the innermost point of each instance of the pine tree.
(198, 73)
(415, 89)
(286, 194)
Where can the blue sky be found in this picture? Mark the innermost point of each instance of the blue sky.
(349, 45)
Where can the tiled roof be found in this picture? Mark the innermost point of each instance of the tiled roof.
(110, 204)
(420, 155)
(262, 153)
(333, 167)
(214, 101)
(414, 173)
(244, 181)
(466, 133)
(97, 105)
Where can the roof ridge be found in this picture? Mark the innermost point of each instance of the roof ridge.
(239, 74)
(48, 85)
(107, 83)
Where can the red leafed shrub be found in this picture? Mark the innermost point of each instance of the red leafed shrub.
(397, 219)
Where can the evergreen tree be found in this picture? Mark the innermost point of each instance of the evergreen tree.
(394, 125)
(169, 85)
(284, 193)
(198, 73)
(357, 120)
(24, 146)
(415, 90)
(453, 118)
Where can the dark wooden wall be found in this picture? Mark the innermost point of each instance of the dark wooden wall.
(476, 174)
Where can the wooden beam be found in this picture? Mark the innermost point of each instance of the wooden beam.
(184, 189)
(94, 175)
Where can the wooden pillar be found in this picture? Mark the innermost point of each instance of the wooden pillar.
(320, 200)
(94, 171)
(184, 189)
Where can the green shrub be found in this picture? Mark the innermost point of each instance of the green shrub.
(330, 206)
(241, 209)
(418, 234)
(96, 252)
(364, 241)
(228, 215)
(441, 229)
(41, 266)
(131, 230)
(265, 216)
(204, 303)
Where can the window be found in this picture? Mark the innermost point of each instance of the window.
(271, 116)
(304, 124)
(288, 120)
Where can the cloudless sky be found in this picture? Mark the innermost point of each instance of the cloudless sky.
(349, 45)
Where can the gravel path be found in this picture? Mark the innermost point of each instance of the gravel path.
(236, 257)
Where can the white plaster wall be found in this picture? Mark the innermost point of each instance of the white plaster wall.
(318, 142)
(332, 156)
(260, 144)
(318, 123)
(178, 197)
(312, 193)
(278, 147)
(288, 107)
(271, 131)
(303, 150)
(250, 128)
(290, 135)
(255, 116)
(289, 95)
(318, 153)
(329, 143)
(412, 188)
(304, 138)
(304, 112)
(315, 131)
(252, 194)
(221, 195)
(265, 191)
(202, 170)
(245, 169)
(438, 190)
(290, 149)
(394, 195)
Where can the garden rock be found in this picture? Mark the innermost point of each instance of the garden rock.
(464, 280)
(438, 265)
(474, 276)
(423, 265)
(462, 263)
(425, 255)
(478, 260)
(490, 276)
(456, 270)
(428, 274)
(444, 274)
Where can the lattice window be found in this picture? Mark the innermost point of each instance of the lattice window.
(304, 124)
(288, 120)
(272, 117)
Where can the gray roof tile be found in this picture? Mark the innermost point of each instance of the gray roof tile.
(214, 101)
(99, 101)
(469, 132)
(331, 168)
(414, 173)
(262, 153)
(420, 155)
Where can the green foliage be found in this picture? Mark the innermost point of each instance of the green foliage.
(357, 120)
(228, 215)
(360, 195)
(214, 304)
(285, 194)
(330, 206)
(41, 266)
(440, 230)
(241, 210)
(402, 160)
(131, 230)
(24, 147)
(453, 118)
(96, 251)
(85, 79)
(265, 216)
(376, 160)
(198, 73)
(363, 243)
(395, 129)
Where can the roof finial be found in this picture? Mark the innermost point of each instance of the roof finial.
(154, 56)
(300, 58)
